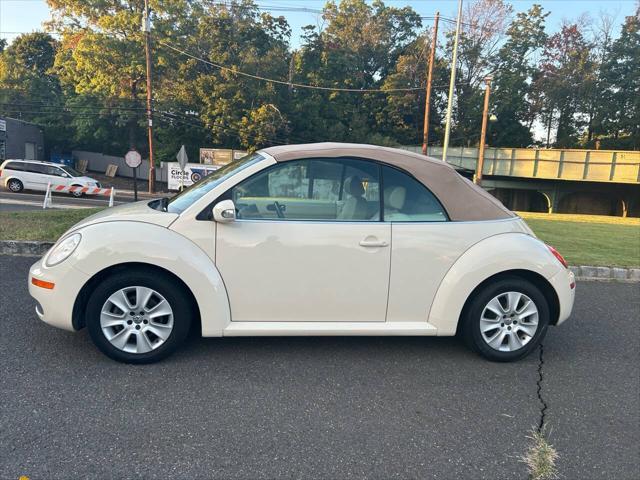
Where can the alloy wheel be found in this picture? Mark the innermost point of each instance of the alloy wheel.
(136, 319)
(509, 321)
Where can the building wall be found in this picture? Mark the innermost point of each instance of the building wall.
(98, 162)
(16, 135)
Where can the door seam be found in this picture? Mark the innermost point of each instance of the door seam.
(386, 312)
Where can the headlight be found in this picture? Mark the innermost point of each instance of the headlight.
(62, 250)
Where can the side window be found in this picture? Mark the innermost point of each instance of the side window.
(35, 168)
(14, 166)
(407, 200)
(49, 170)
(316, 189)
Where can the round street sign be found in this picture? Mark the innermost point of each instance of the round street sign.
(133, 159)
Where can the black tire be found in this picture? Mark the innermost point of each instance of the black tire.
(77, 194)
(472, 313)
(15, 185)
(178, 300)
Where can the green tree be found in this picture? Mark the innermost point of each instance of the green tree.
(358, 48)
(402, 117)
(596, 105)
(480, 40)
(29, 88)
(235, 110)
(101, 56)
(567, 71)
(512, 98)
(621, 82)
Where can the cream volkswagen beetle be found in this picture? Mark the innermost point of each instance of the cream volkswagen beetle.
(318, 239)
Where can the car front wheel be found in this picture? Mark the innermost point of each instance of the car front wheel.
(15, 185)
(138, 317)
(506, 320)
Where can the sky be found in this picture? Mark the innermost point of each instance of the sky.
(17, 16)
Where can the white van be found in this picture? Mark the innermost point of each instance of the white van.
(18, 175)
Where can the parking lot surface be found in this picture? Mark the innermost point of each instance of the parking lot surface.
(318, 407)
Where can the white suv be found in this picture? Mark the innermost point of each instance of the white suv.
(17, 175)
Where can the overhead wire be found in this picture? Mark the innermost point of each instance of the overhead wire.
(286, 83)
(228, 130)
(162, 116)
(235, 71)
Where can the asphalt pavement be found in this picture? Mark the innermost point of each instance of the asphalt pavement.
(359, 407)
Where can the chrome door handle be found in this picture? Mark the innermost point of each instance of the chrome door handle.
(373, 243)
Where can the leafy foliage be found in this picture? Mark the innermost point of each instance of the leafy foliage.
(88, 87)
(513, 98)
(621, 82)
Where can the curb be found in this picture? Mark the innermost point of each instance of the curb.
(21, 247)
(616, 274)
(583, 272)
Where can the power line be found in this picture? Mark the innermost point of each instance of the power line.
(166, 116)
(71, 108)
(289, 84)
(48, 112)
(187, 119)
(228, 130)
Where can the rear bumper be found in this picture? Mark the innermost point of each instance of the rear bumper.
(564, 283)
(55, 306)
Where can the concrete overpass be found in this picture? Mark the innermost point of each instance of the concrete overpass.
(603, 182)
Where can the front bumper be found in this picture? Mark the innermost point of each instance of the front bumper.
(55, 306)
(564, 283)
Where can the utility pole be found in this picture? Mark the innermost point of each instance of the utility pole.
(432, 57)
(146, 28)
(483, 134)
(454, 61)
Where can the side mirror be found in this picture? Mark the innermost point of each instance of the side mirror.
(224, 211)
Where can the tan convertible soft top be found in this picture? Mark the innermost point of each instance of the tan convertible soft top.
(463, 200)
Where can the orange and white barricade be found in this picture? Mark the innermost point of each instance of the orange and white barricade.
(70, 189)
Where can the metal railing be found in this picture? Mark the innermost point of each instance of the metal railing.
(561, 164)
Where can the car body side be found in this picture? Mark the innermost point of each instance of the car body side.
(435, 267)
(27, 178)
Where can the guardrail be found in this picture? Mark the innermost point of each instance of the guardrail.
(47, 203)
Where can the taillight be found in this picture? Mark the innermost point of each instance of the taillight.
(556, 254)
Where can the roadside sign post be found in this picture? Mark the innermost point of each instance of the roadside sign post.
(133, 159)
(182, 161)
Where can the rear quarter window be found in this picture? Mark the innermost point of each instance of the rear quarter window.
(14, 166)
(407, 200)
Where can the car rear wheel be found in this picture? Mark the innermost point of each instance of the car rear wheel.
(506, 320)
(138, 317)
(15, 185)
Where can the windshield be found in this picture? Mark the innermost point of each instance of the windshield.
(71, 171)
(195, 192)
